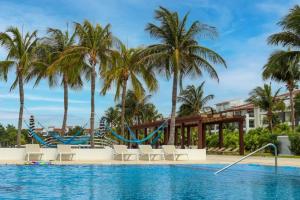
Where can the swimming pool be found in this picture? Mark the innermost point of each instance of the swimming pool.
(148, 182)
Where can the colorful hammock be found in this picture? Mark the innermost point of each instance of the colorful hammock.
(118, 136)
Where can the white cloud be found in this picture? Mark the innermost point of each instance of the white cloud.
(41, 98)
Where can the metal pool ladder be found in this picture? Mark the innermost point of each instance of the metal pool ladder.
(243, 158)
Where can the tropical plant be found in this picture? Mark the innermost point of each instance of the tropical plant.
(297, 105)
(21, 54)
(53, 47)
(263, 98)
(112, 114)
(193, 100)
(125, 67)
(295, 143)
(139, 109)
(289, 37)
(256, 138)
(94, 48)
(280, 68)
(179, 54)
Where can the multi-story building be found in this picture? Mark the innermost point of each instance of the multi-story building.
(254, 116)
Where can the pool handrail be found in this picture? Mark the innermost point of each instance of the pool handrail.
(250, 154)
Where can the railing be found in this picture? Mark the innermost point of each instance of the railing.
(243, 158)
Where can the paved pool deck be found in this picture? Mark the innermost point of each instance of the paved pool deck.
(211, 159)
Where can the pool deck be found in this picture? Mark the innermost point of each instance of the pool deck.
(211, 159)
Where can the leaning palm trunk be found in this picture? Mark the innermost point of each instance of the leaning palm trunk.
(123, 108)
(92, 119)
(173, 112)
(21, 93)
(64, 124)
(292, 107)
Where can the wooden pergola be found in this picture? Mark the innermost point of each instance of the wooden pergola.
(184, 125)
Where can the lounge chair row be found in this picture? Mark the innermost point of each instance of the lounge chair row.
(35, 150)
(223, 150)
(146, 150)
(119, 150)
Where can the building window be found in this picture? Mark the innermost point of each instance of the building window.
(251, 113)
(251, 123)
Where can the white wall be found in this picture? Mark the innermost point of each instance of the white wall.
(18, 154)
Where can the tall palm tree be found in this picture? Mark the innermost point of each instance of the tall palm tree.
(125, 67)
(94, 48)
(21, 55)
(264, 98)
(290, 35)
(193, 100)
(51, 49)
(179, 54)
(59, 42)
(280, 68)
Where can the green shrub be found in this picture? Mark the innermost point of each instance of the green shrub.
(259, 137)
(231, 139)
(212, 140)
(282, 129)
(295, 143)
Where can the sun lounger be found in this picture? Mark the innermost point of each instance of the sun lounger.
(210, 149)
(220, 150)
(33, 149)
(148, 151)
(123, 151)
(64, 150)
(236, 150)
(232, 151)
(228, 150)
(213, 149)
(171, 150)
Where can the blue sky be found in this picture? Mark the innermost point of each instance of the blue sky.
(243, 27)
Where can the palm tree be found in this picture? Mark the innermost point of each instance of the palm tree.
(193, 100)
(290, 36)
(21, 55)
(94, 48)
(179, 54)
(125, 67)
(264, 98)
(59, 42)
(112, 114)
(280, 68)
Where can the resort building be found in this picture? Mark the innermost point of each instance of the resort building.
(254, 116)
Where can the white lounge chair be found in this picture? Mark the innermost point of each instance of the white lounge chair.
(170, 150)
(64, 150)
(33, 149)
(123, 151)
(148, 151)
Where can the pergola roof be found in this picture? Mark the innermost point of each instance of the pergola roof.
(194, 120)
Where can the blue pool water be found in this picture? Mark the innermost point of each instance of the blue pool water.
(148, 182)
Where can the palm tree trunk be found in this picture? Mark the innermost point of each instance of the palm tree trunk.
(64, 124)
(123, 108)
(270, 116)
(21, 93)
(92, 119)
(291, 90)
(173, 112)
